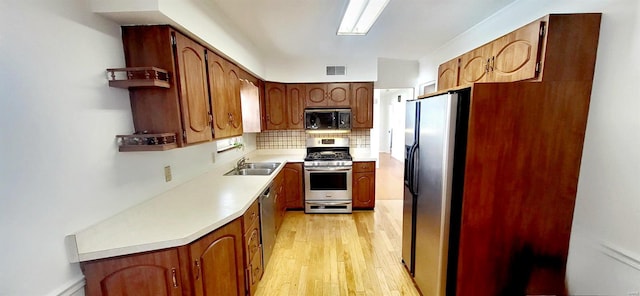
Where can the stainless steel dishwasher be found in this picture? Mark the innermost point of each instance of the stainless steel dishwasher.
(267, 224)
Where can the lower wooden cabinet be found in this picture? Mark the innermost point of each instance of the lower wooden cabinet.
(293, 188)
(211, 265)
(364, 185)
(252, 248)
(217, 262)
(153, 273)
(279, 199)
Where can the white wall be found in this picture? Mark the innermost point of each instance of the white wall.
(604, 256)
(196, 18)
(60, 170)
(292, 69)
(394, 73)
(392, 118)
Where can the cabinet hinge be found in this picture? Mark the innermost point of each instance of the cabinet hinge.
(537, 67)
(173, 40)
(184, 135)
(542, 26)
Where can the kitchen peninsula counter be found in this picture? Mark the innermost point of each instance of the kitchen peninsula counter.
(178, 216)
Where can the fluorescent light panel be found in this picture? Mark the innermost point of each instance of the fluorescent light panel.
(360, 16)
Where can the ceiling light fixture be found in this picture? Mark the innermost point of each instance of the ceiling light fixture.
(360, 16)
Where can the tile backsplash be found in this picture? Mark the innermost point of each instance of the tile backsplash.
(296, 139)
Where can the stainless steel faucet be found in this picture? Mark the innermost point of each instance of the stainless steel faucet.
(240, 163)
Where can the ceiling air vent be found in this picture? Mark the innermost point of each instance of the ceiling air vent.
(337, 70)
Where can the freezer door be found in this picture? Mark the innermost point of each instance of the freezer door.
(408, 212)
(435, 157)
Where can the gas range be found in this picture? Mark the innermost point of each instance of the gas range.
(328, 152)
(328, 172)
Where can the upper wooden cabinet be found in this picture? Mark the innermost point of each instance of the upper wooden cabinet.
(183, 108)
(362, 105)
(224, 84)
(327, 95)
(295, 106)
(284, 106)
(285, 102)
(275, 106)
(448, 74)
(512, 57)
(551, 48)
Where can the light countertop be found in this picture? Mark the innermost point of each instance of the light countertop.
(181, 215)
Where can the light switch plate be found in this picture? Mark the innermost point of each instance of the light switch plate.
(167, 173)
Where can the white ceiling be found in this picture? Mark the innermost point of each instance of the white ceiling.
(406, 29)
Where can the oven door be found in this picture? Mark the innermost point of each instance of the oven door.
(328, 183)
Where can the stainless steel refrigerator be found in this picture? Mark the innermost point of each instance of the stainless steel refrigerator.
(435, 149)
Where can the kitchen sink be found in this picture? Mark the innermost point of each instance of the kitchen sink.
(260, 165)
(254, 169)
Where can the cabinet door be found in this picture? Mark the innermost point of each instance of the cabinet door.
(316, 95)
(279, 200)
(234, 108)
(218, 88)
(155, 273)
(362, 105)
(364, 184)
(293, 185)
(217, 262)
(474, 65)
(448, 74)
(515, 55)
(338, 95)
(275, 106)
(295, 106)
(194, 97)
(364, 190)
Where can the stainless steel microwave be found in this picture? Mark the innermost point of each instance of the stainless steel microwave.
(327, 119)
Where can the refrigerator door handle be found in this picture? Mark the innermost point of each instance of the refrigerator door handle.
(414, 171)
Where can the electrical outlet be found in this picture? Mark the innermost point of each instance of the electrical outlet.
(167, 173)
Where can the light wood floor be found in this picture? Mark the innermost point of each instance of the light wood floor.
(389, 176)
(340, 254)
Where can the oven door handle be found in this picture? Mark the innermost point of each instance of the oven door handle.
(329, 203)
(333, 169)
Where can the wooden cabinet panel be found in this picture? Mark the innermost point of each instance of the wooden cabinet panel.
(255, 270)
(362, 105)
(183, 107)
(275, 106)
(295, 106)
(279, 200)
(194, 96)
(448, 74)
(217, 262)
(364, 185)
(316, 95)
(515, 55)
(293, 188)
(512, 57)
(338, 95)
(234, 108)
(148, 274)
(224, 85)
(473, 65)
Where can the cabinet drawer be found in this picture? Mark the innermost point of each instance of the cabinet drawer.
(250, 216)
(365, 166)
(254, 273)
(252, 242)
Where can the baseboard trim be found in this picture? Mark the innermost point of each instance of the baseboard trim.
(72, 289)
(621, 255)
